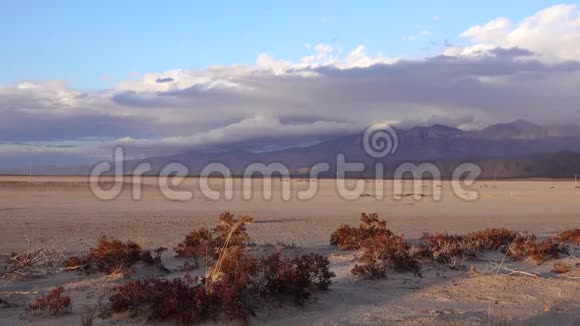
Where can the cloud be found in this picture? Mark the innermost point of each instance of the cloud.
(510, 71)
(553, 34)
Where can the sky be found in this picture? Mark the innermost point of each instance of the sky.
(78, 78)
(94, 45)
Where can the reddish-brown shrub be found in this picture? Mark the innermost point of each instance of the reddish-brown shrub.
(198, 243)
(186, 302)
(445, 248)
(208, 243)
(572, 235)
(527, 246)
(490, 239)
(111, 256)
(235, 268)
(296, 277)
(54, 302)
(232, 230)
(231, 290)
(347, 237)
(382, 253)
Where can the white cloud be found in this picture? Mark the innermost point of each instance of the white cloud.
(553, 34)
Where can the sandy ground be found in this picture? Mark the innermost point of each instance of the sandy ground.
(62, 213)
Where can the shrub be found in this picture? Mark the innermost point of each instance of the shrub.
(54, 302)
(490, 239)
(231, 290)
(296, 277)
(527, 246)
(208, 243)
(445, 248)
(198, 243)
(179, 299)
(111, 256)
(347, 237)
(572, 235)
(235, 268)
(383, 252)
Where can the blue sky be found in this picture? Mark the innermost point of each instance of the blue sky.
(95, 45)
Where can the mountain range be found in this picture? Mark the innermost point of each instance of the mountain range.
(519, 149)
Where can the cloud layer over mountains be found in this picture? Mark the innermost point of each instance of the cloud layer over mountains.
(509, 70)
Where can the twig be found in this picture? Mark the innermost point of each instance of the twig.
(512, 271)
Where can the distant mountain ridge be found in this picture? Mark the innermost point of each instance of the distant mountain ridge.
(516, 149)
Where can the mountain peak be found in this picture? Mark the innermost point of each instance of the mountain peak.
(519, 129)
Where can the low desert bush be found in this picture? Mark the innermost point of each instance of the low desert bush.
(490, 239)
(526, 245)
(233, 286)
(296, 277)
(206, 243)
(572, 235)
(381, 253)
(453, 250)
(347, 237)
(185, 300)
(231, 290)
(445, 248)
(53, 302)
(112, 255)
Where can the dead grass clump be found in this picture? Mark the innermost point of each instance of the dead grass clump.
(572, 235)
(54, 302)
(490, 239)
(347, 237)
(528, 246)
(111, 256)
(204, 242)
(382, 253)
(30, 263)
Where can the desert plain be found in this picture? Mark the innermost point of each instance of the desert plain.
(63, 215)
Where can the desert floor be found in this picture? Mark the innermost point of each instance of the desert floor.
(62, 214)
